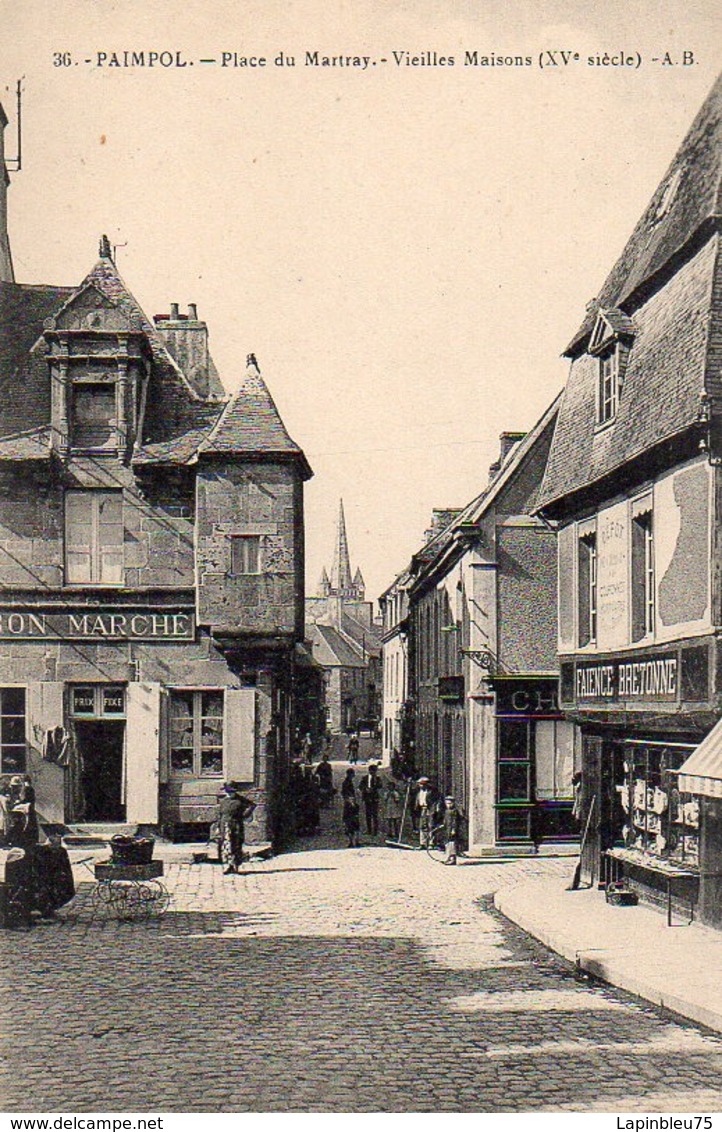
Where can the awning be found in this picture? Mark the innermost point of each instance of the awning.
(702, 772)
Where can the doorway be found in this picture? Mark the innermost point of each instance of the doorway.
(100, 747)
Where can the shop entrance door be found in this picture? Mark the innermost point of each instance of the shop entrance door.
(100, 746)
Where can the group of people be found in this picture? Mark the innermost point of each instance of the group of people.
(36, 872)
(434, 818)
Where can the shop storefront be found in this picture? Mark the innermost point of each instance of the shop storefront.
(642, 715)
(536, 752)
(117, 737)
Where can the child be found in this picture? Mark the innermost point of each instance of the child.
(451, 829)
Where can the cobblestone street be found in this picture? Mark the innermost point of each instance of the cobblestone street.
(330, 979)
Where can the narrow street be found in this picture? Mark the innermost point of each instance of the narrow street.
(329, 979)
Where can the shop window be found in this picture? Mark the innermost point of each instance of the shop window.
(656, 819)
(245, 554)
(587, 600)
(643, 584)
(93, 415)
(94, 537)
(196, 734)
(514, 760)
(554, 760)
(12, 730)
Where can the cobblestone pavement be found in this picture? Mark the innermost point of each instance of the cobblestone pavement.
(329, 979)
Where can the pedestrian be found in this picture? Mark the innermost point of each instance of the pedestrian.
(324, 773)
(451, 829)
(370, 788)
(308, 747)
(351, 809)
(352, 748)
(234, 808)
(25, 831)
(424, 807)
(393, 810)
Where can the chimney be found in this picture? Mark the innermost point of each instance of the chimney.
(186, 339)
(440, 518)
(507, 441)
(7, 274)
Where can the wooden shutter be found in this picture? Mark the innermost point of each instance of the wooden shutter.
(239, 735)
(109, 507)
(143, 752)
(164, 737)
(44, 712)
(78, 536)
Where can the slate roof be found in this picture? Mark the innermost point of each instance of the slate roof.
(24, 387)
(367, 637)
(33, 445)
(179, 423)
(694, 183)
(434, 552)
(331, 649)
(251, 424)
(669, 294)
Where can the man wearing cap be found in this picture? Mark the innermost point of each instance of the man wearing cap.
(370, 788)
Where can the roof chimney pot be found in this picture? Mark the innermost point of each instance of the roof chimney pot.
(174, 312)
(193, 312)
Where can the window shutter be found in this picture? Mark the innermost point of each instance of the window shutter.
(110, 537)
(78, 536)
(142, 752)
(239, 735)
(164, 737)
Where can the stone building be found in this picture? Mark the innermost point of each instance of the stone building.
(151, 561)
(346, 641)
(480, 632)
(394, 605)
(634, 484)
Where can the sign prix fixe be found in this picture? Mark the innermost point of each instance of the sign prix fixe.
(96, 625)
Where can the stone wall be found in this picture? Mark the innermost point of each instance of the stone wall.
(257, 500)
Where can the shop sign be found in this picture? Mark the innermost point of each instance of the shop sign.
(527, 699)
(108, 625)
(630, 679)
(451, 688)
(97, 700)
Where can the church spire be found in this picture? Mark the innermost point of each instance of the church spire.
(341, 572)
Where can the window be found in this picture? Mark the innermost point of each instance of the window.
(12, 730)
(93, 415)
(588, 588)
(643, 597)
(554, 759)
(608, 385)
(94, 537)
(245, 554)
(196, 734)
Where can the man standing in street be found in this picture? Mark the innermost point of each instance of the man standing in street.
(370, 788)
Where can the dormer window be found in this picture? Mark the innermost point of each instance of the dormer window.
(610, 343)
(608, 386)
(93, 415)
(667, 196)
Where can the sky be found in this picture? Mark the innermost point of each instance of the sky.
(406, 249)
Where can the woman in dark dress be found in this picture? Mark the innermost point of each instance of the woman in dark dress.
(234, 808)
(351, 809)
